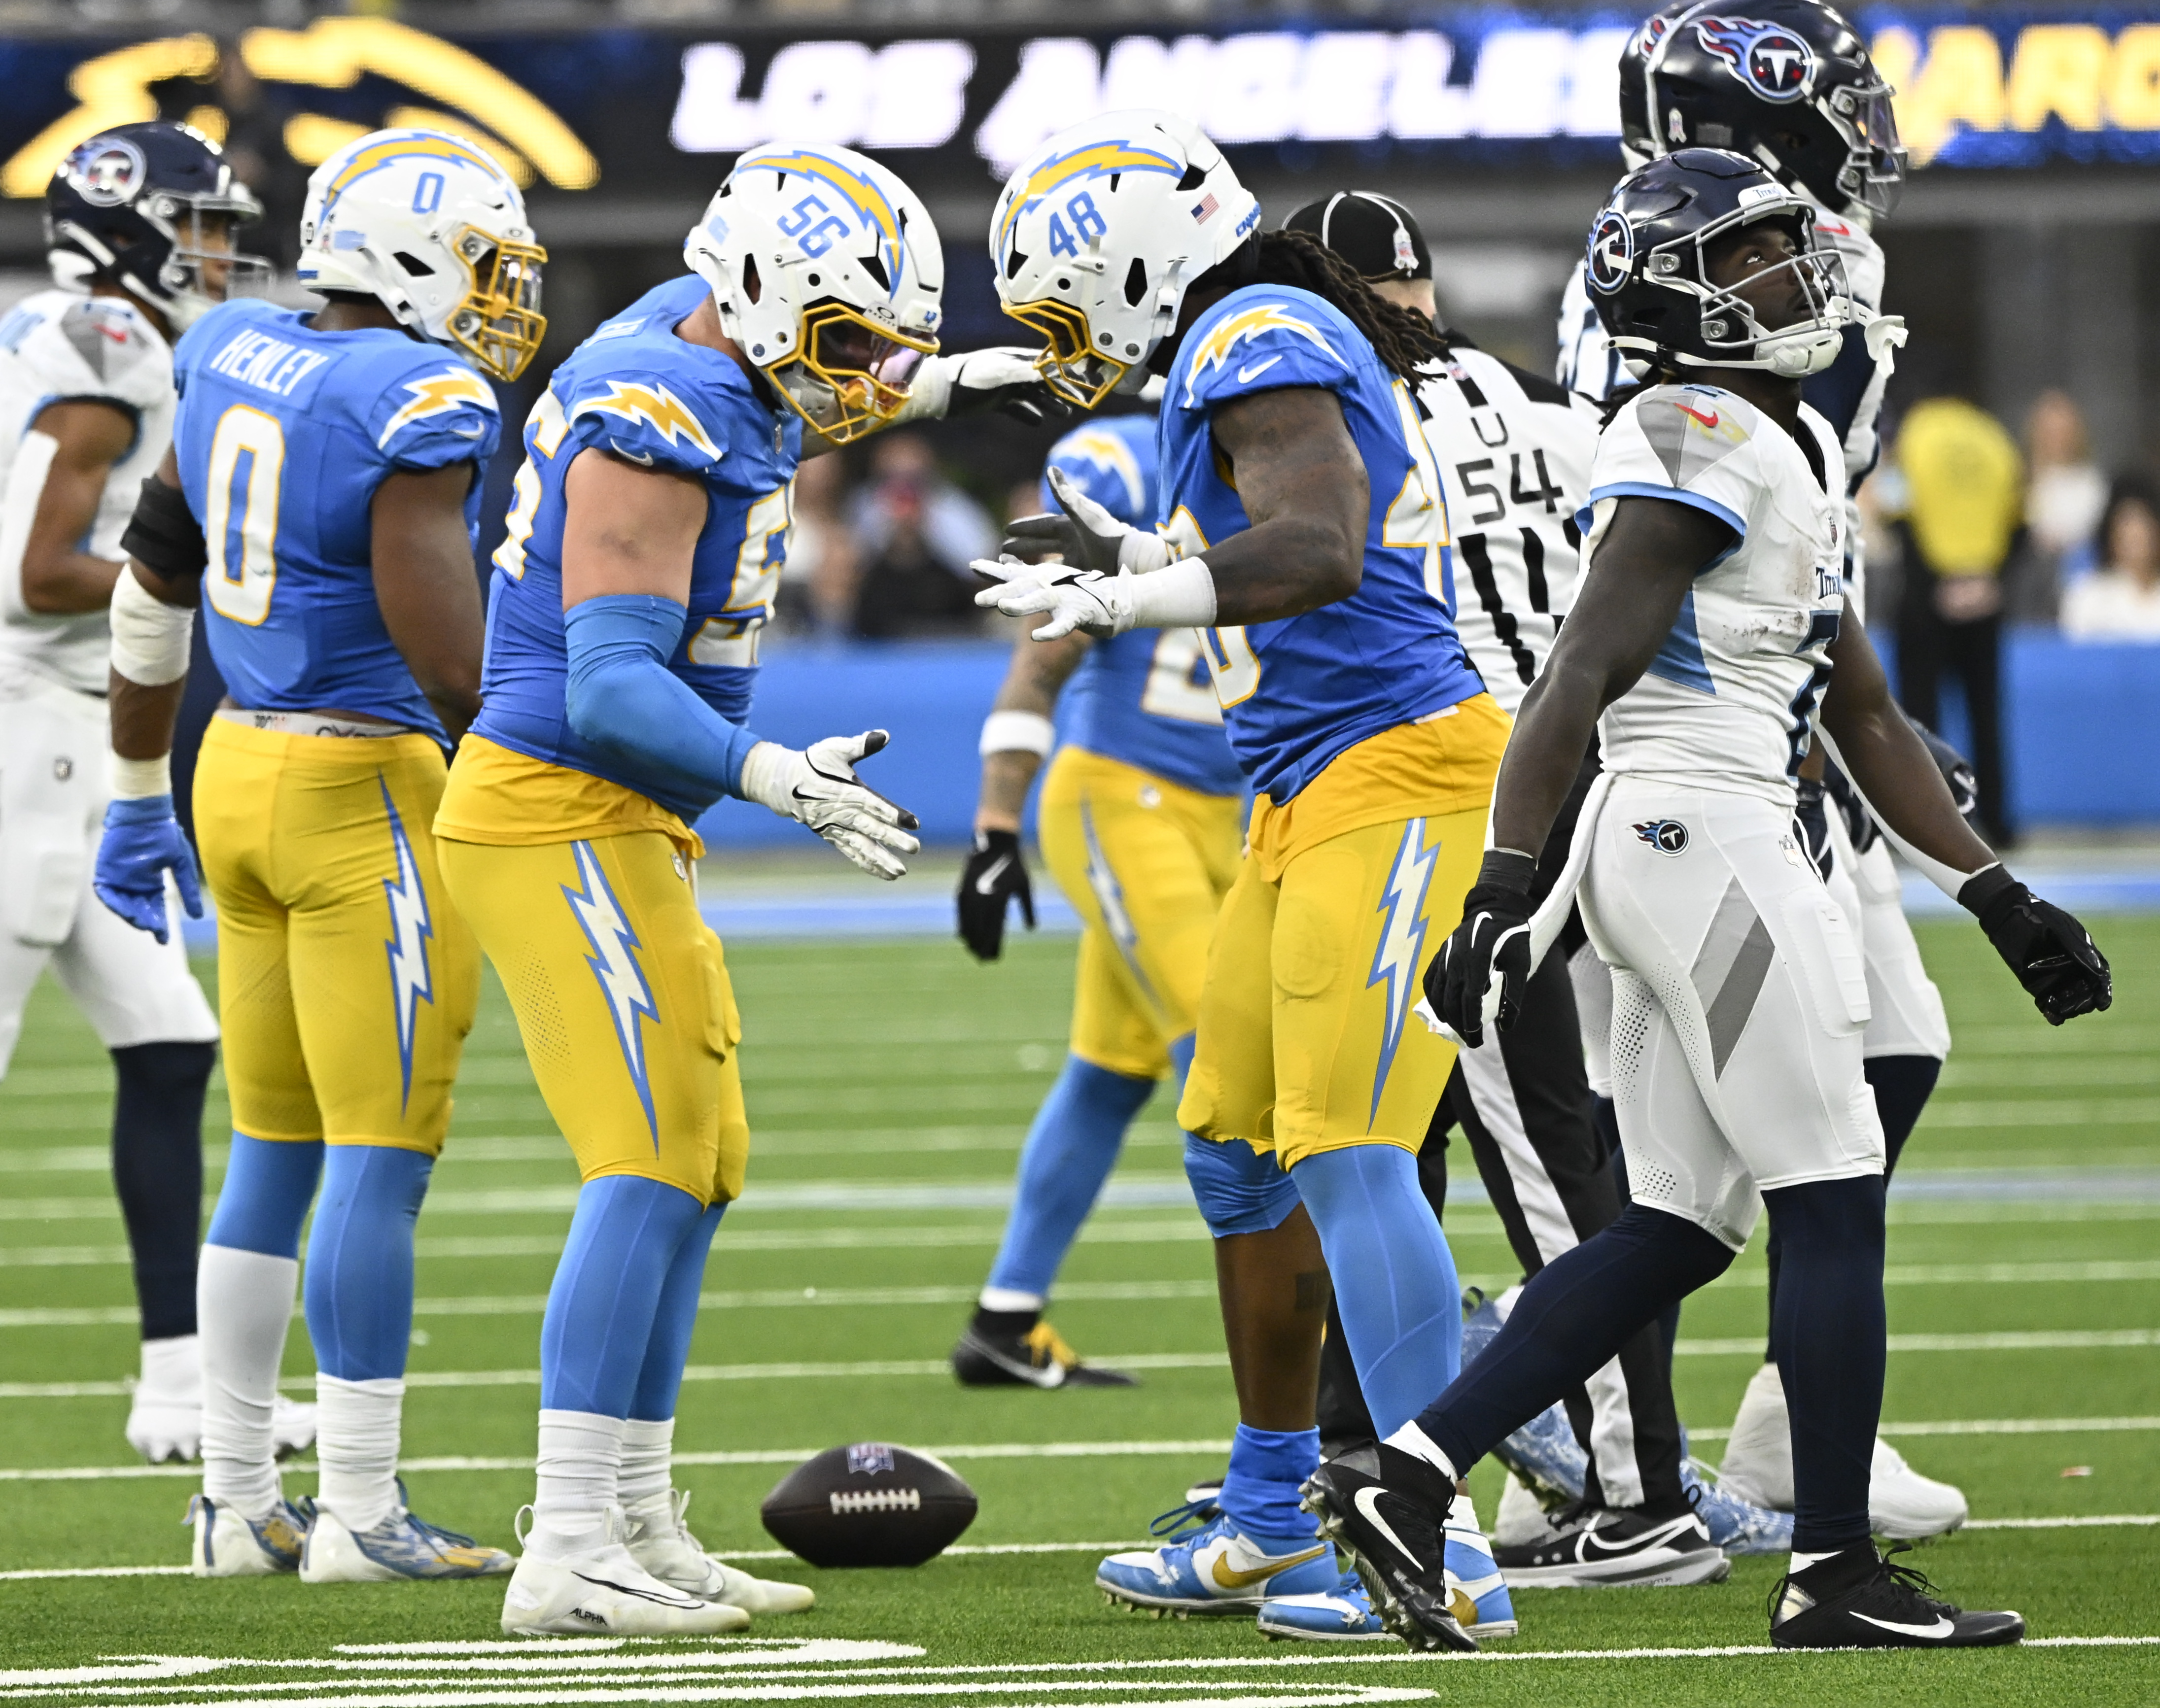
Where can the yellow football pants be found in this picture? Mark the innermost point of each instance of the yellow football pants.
(1306, 1040)
(622, 996)
(1146, 864)
(346, 980)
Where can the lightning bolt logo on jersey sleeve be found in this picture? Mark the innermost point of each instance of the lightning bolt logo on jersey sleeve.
(1112, 461)
(1399, 957)
(641, 419)
(1263, 345)
(456, 392)
(410, 929)
(613, 962)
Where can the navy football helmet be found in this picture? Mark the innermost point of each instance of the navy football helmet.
(1637, 145)
(1647, 275)
(140, 206)
(1788, 83)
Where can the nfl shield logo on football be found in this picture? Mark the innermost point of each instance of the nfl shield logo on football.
(1666, 836)
(868, 1458)
(106, 170)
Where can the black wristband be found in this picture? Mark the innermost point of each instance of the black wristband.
(163, 534)
(1989, 892)
(1505, 868)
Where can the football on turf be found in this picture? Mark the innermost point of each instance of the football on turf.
(868, 1504)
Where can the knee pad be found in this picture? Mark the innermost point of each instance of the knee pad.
(1238, 1189)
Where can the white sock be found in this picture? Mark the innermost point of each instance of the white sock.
(647, 1449)
(172, 1370)
(244, 1303)
(1009, 1299)
(1463, 1514)
(1414, 1440)
(579, 1469)
(357, 1444)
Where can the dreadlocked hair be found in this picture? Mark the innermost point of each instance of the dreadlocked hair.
(1403, 340)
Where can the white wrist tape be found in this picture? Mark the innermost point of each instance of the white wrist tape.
(150, 637)
(1140, 552)
(1181, 595)
(1017, 732)
(139, 779)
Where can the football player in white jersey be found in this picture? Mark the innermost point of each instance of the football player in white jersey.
(1789, 83)
(1706, 630)
(1513, 451)
(140, 225)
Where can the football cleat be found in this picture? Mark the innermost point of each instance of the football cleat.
(605, 1591)
(1597, 1548)
(292, 1426)
(402, 1545)
(229, 1545)
(1387, 1510)
(164, 1416)
(1522, 1519)
(1474, 1576)
(1039, 1359)
(661, 1542)
(1343, 1614)
(1214, 1569)
(1855, 1599)
(1907, 1506)
(1736, 1525)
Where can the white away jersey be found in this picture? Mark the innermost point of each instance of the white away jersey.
(1514, 453)
(1729, 701)
(54, 346)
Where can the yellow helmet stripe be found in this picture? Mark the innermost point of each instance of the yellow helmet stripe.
(862, 193)
(426, 145)
(1096, 160)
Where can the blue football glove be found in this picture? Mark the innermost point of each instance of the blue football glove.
(143, 842)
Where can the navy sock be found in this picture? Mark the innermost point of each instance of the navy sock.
(1575, 1314)
(1828, 1332)
(157, 1172)
(1069, 1153)
(1260, 1490)
(268, 1185)
(358, 1283)
(598, 1329)
(1394, 1278)
(661, 1378)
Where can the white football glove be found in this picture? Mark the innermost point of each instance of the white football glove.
(1004, 378)
(1086, 599)
(818, 787)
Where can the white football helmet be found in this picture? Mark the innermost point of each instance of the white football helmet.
(1098, 234)
(434, 229)
(828, 271)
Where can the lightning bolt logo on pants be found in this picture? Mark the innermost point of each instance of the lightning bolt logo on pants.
(613, 962)
(1401, 947)
(1110, 897)
(410, 928)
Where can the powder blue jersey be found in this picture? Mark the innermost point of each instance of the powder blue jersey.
(635, 388)
(1297, 691)
(282, 435)
(1143, 697)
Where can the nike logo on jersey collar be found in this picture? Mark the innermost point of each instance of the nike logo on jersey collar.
(1942, 1627)
(1247, 376)
(1708, 420)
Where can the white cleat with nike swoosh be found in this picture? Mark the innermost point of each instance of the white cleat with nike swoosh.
(1857, 1599)
(1216, 1569)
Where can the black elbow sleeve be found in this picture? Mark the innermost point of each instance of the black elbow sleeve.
(163, 534)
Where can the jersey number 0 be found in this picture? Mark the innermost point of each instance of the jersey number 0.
(246, 463)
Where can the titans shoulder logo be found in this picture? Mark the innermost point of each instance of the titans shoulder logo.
(1768, 58)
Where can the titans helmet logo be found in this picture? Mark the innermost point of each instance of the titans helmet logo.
(1769, 59)
(1611, 255)
(105, 171)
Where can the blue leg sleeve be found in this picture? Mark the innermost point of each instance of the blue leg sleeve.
(661, 1379)
(1394, 1278)
(268, 1185)
(358, 1284)
(601, 1308)
(1070, 1152)
(1260, 1490)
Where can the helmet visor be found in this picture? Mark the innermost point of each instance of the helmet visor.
(500, 323)
(848, 376)
(1874, 171)
(1069, 364)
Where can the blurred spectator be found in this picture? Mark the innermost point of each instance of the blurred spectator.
(1964, 512)
(255, 143)
(817, 583)
(2122, 601)
(2063, 506)
(917, 533)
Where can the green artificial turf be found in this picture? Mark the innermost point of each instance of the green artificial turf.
(875, 1066)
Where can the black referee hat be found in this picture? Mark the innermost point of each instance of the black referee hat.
(1374, 233)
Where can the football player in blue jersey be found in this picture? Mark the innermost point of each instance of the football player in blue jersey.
(1301, 526)
(644, 547)
(1140, 817)
(320, 503)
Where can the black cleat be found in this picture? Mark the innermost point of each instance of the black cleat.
(1857, 1599)
(1599, 1548)
(1387, 1510)
(1038, 1358)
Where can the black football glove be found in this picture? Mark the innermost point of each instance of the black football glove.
(1494, 937)
(1811, 824)
(994, 875)
(2051, 955)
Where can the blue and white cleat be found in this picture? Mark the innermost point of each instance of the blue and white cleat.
(1212, 1569)
(1543, 1453)
(227, 1544)
(1343, 1614)
(1736, 1525)
(1482, 1605)
(403, 1545)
